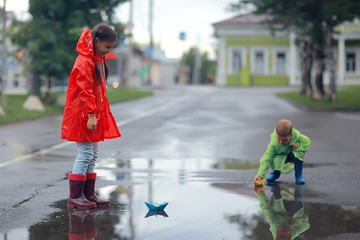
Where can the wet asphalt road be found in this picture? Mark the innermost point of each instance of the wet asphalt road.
(181, 135)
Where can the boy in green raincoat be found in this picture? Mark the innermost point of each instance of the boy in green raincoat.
(284, 153)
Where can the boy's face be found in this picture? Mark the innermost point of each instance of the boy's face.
(283, 233)
(283, 139)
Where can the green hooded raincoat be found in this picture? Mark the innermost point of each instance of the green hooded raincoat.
(276, 154)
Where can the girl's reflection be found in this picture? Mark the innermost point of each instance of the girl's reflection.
(82, 224)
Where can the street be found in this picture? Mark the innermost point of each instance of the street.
(195, 147)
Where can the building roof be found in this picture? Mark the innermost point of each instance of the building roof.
(246, 19)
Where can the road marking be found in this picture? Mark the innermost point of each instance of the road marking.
(119, 124)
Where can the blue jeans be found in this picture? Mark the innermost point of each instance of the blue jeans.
(292, 158)
(86, 158)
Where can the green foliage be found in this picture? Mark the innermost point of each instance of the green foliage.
(314, 22)
(306, 16)
(208, 66)
(348, 98)
(49, 38)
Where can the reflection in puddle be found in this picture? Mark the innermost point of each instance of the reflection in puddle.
(284, 211)
(156, 213)
(196, 210)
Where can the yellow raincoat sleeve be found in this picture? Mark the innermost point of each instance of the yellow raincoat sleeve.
(265, 161)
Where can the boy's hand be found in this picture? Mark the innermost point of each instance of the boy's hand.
(259, 190)
(294, 146)
(92, 122)
(257, 179)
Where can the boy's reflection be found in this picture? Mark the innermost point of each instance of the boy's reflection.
(284, 211)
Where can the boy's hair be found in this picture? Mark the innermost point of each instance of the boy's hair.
(284, 127)
(104, 33)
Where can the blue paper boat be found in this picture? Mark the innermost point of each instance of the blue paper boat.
(159, 207)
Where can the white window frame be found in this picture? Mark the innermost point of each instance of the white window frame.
(346, 62)
(253, 51)
(356, 51)
(230, 56)
(275, 51)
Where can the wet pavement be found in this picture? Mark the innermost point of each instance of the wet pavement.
(196, 148)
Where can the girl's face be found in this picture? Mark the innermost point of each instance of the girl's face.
(103, 47)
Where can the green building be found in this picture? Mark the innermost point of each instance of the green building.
(249, 55)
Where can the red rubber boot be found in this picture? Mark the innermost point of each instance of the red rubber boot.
(77, 198)
(90, 194)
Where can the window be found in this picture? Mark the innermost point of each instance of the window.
(280, 63)
(350, 62)
(259, 62)
(235, 61)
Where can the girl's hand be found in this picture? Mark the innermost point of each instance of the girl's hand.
(294, 146)
(92, 122)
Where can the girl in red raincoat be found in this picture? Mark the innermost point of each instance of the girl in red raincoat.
(87, 117)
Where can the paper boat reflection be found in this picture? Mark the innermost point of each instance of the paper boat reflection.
(156, 213)
(153, 207)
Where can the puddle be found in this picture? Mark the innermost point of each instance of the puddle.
(196, 209)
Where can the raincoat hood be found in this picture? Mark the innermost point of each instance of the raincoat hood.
(85, 46)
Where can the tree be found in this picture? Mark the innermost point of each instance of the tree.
(336, 12)
(50, 36)
(207, 66)
(314, 22)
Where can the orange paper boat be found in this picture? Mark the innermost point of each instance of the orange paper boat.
(259, 183)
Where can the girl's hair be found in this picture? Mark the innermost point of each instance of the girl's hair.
(104, 33)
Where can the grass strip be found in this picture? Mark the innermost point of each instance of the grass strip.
(348, 98)
(14, 111)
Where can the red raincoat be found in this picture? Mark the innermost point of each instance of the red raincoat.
(84, 96)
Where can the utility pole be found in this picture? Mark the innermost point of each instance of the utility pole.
(130, 47)
(4, 60)
(151, 47)
(197, 66)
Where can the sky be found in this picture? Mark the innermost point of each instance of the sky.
(170, 17)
